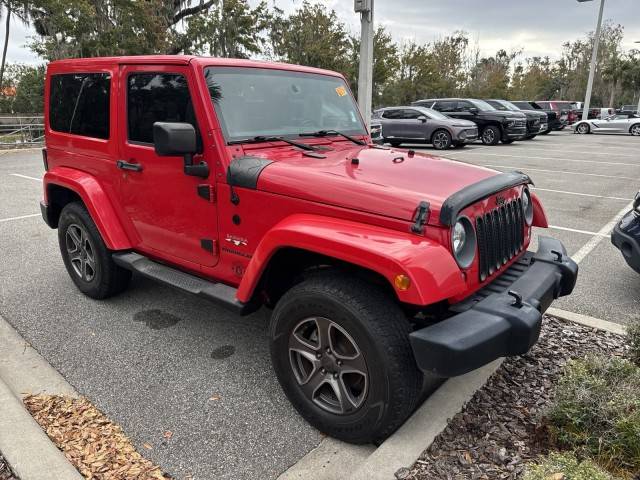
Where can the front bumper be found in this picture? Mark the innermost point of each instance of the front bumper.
(515, 133)
(467, 135)
(626, 238)
(493, 323)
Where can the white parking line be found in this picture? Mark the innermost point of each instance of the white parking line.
(601, 235)
(581, 194)
(580, 151)
(560, 171)
(25, 176)
(523, 155)
(574, 230)
(10, 219)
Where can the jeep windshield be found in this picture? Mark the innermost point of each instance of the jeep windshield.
(263, 102)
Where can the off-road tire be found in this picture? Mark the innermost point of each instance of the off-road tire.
(379, 328)
(583, 128)
(108, 279)
(635, 129)
(491, 135)
(441, 139)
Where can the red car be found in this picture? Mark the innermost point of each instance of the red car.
(565, 110)
(253, 183)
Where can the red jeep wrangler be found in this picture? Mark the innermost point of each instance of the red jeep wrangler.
(252, 183)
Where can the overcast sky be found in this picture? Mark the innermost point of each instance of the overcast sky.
(539, 27)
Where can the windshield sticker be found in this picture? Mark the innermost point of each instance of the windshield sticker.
(341, 91)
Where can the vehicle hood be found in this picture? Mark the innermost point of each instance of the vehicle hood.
(503, 113)
(456, 122)
(388, 182)
(535, 114)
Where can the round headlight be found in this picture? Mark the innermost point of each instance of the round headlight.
(527, 206)
(463, 242)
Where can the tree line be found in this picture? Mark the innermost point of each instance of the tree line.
(312, 35)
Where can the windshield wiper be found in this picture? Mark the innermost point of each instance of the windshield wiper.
(260, 139)
(326, 133)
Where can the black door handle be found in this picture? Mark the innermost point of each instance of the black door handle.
(134, 167)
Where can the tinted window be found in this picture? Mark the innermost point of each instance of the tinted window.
(392, 114)
(545, 105)
(79, 104)
(156, 97)
(411, 114)
(446, 106)
(464, 106)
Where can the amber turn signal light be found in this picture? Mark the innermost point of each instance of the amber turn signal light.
(402, 282)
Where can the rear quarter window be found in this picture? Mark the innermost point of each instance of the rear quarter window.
(79, 104)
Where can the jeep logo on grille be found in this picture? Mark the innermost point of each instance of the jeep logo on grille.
(500, 200)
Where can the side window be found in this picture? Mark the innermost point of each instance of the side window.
(545, 105)
(446, 106)
(391, 114)
(79, 104)
(410, 114)
(464, 106)
(156, 97)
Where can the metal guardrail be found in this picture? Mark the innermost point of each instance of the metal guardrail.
(21, 132)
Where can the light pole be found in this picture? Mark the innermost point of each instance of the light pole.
(365, 72)
(638, 109)
(594, 58)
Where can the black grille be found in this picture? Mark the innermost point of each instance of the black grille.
(500, 237)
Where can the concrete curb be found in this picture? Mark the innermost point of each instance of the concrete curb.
(24, 370)
(587, 321)
(328, 461)
(405, 446)
(25, 445)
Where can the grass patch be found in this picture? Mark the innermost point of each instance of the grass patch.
(565, 466)
(633, 338)
(596, 412)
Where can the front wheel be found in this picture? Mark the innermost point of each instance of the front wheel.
(491, 135)
(340, 349)
(635, 130)
(441, 140)
(85, 255)
(583, 128)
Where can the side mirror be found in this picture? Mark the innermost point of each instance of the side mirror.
(474, 110)
(172, 139)
(422, 118)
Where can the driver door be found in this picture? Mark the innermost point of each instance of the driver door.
(167, 211)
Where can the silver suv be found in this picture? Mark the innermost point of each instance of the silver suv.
(424, 125)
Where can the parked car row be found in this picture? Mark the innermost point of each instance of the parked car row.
(455, 122)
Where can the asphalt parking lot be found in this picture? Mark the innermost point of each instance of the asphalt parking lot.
(156, 360)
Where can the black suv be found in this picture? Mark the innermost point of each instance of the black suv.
(626, 236)
(493, 124)
(555, 123)
(536, 120)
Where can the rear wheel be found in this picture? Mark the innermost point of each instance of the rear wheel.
(340, 349)
(583, 128)
(85, 255)
(441, 140)
(491, 135)
(635, 129)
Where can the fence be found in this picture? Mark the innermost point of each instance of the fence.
(21, 132)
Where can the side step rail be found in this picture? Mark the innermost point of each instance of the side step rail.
(219, 293)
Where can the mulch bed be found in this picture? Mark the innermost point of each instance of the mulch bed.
(499, 430)
(5, 471)
(97, 447)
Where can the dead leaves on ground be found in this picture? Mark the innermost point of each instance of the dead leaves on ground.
(97, 447)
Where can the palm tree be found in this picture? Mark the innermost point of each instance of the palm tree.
(20, 10)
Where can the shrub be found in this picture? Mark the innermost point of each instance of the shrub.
(596, 411)
(564, 466)
(633, 338)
